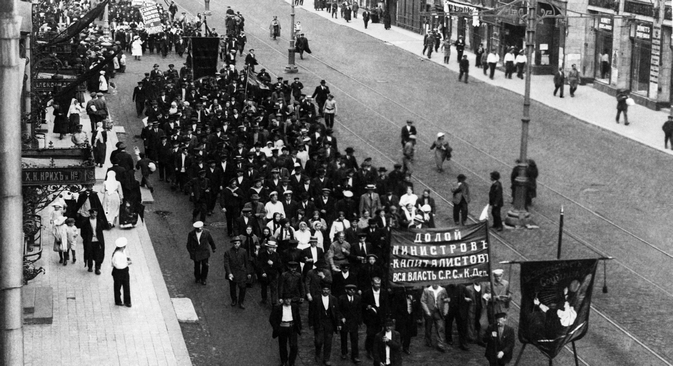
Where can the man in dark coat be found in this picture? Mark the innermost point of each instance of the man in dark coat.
(231, 201)
(351, 318)
(87, 200)
(290, 282)
(495, 200)
(405, 307)
(139, 98)
(286, 323)
(387, 346)
(326, 318)
(93, 240)
(459, 306)
(499, 339)
(407, 131)
(301, 46)
(559, 81)
(320, 95)
(311, 255)
(270, 267)
(198, 242)
(374, 312)
(238, 271)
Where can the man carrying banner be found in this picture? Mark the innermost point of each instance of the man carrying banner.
(435, 304)
(498, 302)
(499, 339)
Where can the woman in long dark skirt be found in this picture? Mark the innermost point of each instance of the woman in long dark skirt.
(99, 142)
(61, 125)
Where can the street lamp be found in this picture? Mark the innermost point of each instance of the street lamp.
(518, 216)
(291, 68)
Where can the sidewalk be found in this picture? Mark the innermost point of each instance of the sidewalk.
(589, 105)
(87, 327)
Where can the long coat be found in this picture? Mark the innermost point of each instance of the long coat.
(97, 252)
(494, 344)
(198, 249)
(237, 263)
(351, 311)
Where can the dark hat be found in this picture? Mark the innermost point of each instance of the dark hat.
(372, 221)
(293, 242)
(362, 234)
(292, 264)
(156, 65)
(236, 239)
(345, 265)
(349, 150)
(500, 315)
(171, 65)
(390, 322)
(383, 169)
(495, 175)
(397, 165)
(322, 81)
(326, 190)
(140, 83)
(351, 286)
(246, 209)
(325, 284)
(321, 264)
(373, 255)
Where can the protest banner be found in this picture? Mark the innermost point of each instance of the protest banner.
(151, 18)
(555, 302)
(205, 51)
(421, 257)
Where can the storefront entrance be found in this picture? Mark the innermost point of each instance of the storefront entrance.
(603, 51)
(640, 59)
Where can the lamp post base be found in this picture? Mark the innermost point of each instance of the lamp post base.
(291, 68)
(519, 219)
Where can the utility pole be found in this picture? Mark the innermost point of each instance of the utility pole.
(518, 216)
(291, 68)
(11, 205)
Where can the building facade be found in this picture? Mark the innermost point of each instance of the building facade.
(615, 44)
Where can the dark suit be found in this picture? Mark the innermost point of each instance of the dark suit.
(406, 132)
(351, 311)
(139, 98)
(94, 245)
(325, 323)
(374, 316)
(379, 349)
(305, 255)
(458, 311)
(496, 201)
(320, 96)
(356, 252)
(286, 332)
(339, 282)
(199, 252)
(502, 341)
(405, 307)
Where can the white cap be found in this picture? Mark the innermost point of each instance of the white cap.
(198, 224)
(426, 208)
(498, 271)
(348, 194)
(440, 134)
(121, 242)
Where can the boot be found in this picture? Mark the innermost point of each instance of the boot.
(73, 257)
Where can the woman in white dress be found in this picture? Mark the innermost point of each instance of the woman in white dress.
(137, 48)
(102, 82)
(112, 197)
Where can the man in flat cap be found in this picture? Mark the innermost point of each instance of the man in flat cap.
(350, 307)
(238, 271)
(199, 243)
(499, 339)
(498, 302)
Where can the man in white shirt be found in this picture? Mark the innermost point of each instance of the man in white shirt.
(492, 61)
(387, 346)
(273, 206)
(286, 323)
(435, 304)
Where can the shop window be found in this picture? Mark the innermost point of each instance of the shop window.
(640, 66)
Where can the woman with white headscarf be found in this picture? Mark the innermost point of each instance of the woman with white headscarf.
(303, 235)
(112, 197)
(99, 138)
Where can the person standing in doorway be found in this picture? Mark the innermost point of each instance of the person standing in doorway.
(605, 64)
(460, 47)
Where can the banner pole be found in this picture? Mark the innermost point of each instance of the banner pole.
(518, 357)
(491, 311)
(577, 363)
(560, 235)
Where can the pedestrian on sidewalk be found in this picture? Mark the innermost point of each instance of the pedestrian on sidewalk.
(335, 7)
(559, 81)
(356, 7)
(460, 47)
(365, 17)
(386, 20)
(492, 61)
(668, 132)
(520, 61)
(61, 239)
(464, 68)
(442, 151)
(120, 273)
(479, 53)
(72, 233)
(286, 324)
(446, 46)
(428, 43)
(495, 200)
(622, 105)
(199, 243)
(347, 13)
(145, 170)
(573, 80)
(238, 271)
(484, 62)
(93, 241)
(274, 27)
(438, 39)
(509, 63)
